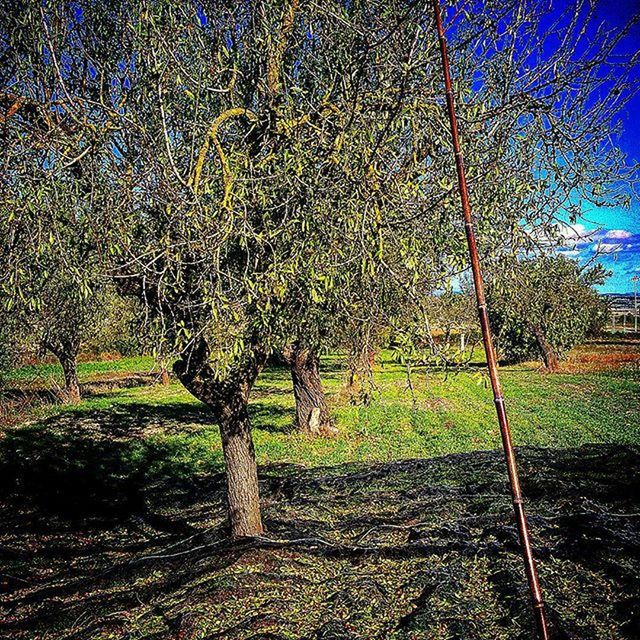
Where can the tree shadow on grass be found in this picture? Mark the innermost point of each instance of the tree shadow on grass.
(69, 475)
(103, 463)
(174, 417)
(272, 418)
(95, 522)
(84, 468)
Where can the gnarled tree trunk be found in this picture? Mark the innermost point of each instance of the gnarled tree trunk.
(547, 351)
(312, 412)
(228, 398)
(67, 353)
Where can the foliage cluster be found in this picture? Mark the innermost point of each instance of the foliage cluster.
(542, 307)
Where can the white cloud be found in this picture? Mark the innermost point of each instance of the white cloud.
(575, 231)
(606, 248)
(617, 234)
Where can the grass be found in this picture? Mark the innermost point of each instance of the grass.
(87, 370)
(112, 517)
(450, 414)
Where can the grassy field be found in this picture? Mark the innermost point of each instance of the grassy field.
(593, 400)
(112, 512)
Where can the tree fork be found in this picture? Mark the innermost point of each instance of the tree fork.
(523, 530)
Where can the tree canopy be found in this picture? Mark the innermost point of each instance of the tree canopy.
(543, 306)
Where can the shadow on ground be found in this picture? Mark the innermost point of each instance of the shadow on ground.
(16, 401)
(103, 534)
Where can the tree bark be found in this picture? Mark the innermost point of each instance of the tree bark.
(360, 383)
(228, 398)
(242, 472)
(67, 354)
(312, 413)
(547, 351)
(71, 384)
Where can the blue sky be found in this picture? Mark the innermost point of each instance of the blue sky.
(615, 231)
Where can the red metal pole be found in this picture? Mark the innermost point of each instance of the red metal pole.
(523, 530)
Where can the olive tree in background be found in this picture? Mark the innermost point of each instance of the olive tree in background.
(543, 306)
(50, 286)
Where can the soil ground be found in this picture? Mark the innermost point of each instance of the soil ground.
(413, 549)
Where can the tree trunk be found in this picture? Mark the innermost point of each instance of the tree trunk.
(228, 398)
(71, 384)
(164, 376)
(547, 351)
(67, 353)
(312, 413)
(242, 472)
(360, 383)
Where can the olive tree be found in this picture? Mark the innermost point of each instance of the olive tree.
(248, 189)
(49, 282)
(256, 161)
(543, 306)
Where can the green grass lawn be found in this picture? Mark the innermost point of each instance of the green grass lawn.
(449, 414)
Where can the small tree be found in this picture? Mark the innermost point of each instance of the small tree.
(48, 305)
(50, 281)
(543, 306)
